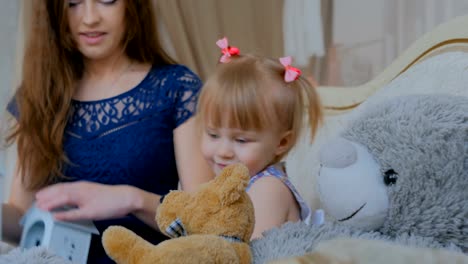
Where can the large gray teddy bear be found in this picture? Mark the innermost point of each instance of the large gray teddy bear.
(398, 173)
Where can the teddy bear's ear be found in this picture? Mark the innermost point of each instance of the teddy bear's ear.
(232, 182)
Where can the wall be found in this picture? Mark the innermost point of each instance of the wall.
(8, 38)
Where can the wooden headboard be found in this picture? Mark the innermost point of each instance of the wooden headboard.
(450, 36)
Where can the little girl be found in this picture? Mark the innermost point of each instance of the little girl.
(251, 111)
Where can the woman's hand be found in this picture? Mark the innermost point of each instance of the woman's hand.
(93, 201)
(11, 229)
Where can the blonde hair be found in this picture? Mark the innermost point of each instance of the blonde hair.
(249, 93)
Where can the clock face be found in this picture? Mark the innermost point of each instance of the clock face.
(34, 235)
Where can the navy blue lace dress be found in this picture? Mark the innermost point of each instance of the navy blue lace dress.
(128, 139)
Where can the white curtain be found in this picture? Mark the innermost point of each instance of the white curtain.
(302, 30)
(370, 34)
(406, 21)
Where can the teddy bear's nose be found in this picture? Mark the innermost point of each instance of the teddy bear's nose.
(338, 153)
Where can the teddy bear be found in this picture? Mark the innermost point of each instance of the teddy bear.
(397, 173)
(212, 225)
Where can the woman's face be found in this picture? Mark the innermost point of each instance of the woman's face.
(97, 26)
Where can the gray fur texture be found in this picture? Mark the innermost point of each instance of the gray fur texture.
(423, 138)
(296, 239)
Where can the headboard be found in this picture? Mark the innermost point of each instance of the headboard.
(341, 103)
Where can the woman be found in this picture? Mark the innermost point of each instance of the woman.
(104, 117)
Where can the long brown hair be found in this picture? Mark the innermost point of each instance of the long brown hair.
(51, 67)
(249, 93)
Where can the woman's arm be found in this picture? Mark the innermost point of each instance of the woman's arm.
(272, 201)
(20, 197)
(192, 167)
(19, 201)
(11, 230)
(98, 201)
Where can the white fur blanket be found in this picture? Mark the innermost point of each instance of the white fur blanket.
(38, 255)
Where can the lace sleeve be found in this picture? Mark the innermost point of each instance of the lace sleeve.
(187, 87)
(12, 107)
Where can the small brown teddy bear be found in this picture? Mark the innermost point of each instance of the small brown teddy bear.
(214, 225)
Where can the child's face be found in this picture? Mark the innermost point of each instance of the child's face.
(255, 149)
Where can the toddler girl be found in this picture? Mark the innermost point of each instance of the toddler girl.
(251, 111)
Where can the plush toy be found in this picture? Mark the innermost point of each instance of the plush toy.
(214, 224)
(398, 173)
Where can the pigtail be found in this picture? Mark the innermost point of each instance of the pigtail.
(307, 97)
(313, 105)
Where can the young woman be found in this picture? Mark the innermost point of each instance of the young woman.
(103, 117)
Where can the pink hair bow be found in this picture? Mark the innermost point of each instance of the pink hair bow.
(227, 50)
(290, 73)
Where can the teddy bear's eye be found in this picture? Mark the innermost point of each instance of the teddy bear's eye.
(390, 177)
